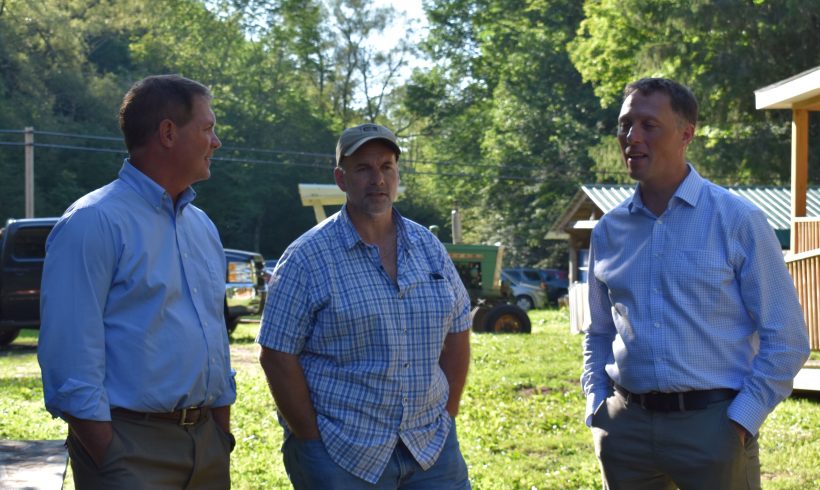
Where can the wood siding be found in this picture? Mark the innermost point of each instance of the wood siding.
(805, 270)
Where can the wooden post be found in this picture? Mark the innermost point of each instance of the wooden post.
(800, 170)
(29, 173)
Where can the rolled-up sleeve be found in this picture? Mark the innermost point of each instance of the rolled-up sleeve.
(289, 310)
(79, 265)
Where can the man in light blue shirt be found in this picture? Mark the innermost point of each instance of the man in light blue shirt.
(696, 332)
(133, 345)
(365, 339)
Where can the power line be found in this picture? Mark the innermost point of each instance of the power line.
(545, 175)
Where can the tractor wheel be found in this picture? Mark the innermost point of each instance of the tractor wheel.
(508, 319)
(478, 315)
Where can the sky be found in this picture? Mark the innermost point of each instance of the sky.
(410, 12)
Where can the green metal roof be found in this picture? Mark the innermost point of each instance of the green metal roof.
(775, 202)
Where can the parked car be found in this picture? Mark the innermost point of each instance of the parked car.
(555, 281)
(245, 286)
(527, 295)
(22, 252)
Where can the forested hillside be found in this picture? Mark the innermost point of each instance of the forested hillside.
(514, 108)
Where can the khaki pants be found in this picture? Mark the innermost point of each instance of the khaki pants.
(640, 449)
(156, 454)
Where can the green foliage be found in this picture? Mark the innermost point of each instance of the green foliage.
(723, 51)
(514, 110)
(505, 104)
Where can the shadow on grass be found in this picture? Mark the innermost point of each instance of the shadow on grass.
(806, 395)
(14, 349)
(242, 340)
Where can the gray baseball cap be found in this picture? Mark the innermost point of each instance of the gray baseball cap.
(353, 138)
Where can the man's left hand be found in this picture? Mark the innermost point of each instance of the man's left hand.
(741, 432)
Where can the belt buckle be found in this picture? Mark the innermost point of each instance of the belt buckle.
(184, 416)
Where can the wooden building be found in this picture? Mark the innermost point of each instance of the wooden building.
(801, 95)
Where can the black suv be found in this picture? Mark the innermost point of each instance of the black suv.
(23, 250)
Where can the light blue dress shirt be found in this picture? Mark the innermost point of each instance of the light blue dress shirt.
(697, 298)
(369, 347)
(132, 304)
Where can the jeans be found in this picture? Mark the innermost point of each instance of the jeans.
(310, 467)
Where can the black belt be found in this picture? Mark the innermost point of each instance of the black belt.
(186, 416)
(677, 402)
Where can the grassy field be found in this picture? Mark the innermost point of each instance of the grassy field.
(520, 424)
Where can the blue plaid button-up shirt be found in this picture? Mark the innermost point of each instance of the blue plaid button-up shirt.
(695, 299)
(369, 347)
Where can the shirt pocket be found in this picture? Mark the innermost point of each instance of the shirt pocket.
(697, 277)
(431, 302)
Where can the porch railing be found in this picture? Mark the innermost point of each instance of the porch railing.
(806, 234)
(805, 270)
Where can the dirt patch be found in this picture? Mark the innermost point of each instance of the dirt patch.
(529, 391)
(244, 355)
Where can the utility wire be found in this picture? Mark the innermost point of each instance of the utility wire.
(545, 175)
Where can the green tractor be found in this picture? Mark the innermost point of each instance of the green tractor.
(493, 308)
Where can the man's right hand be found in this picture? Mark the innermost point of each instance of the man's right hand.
(94, 435)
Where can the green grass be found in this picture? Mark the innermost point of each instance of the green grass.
(520, 424)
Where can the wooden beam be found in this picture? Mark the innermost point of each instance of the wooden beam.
(811, 104)
(800, 165)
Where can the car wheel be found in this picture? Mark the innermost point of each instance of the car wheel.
(508, 319)
(524, 302)
(8, 336)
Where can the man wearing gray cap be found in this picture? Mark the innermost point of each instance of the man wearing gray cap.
(365, 338)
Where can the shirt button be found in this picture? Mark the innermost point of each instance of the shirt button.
(406, 365)
(195, 290)
(660, 221)
(405, 400)
(657, 325)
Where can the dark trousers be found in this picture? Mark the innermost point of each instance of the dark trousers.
(156, 454)
(639, 449)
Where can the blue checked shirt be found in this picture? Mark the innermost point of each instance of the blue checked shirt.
(369, 347)
(698, 298)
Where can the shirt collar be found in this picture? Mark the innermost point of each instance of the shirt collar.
(688, 191)
(152, 192)
(350, 237)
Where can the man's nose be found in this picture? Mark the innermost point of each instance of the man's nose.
(215, 142)
(633, 134)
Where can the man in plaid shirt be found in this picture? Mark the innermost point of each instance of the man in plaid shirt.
(365, 338)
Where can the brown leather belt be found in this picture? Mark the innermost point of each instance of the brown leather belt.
(184, 417)
(677, 402)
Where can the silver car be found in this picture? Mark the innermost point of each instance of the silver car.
(527, 296)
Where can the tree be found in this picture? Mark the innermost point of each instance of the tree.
(505, 104)
(723, 51)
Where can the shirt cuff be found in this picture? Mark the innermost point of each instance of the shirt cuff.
(747, 412)
(594, 402)
(80, 400)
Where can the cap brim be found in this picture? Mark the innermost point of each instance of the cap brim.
(359, 144)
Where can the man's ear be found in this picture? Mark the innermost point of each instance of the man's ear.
(688, 133)
(167, 133)
(339, 177)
